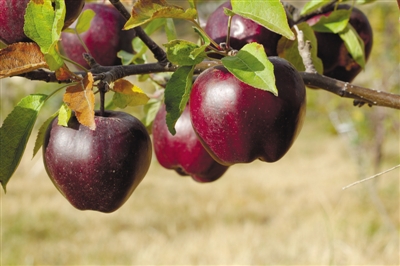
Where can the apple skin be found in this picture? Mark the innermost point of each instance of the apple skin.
(237, 123)
(336, 59)
(243, 31)
(183, 152)
(104, 39)
(12, 18)
(97, 169)
(73, 10)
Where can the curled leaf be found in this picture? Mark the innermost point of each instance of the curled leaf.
(80, 99)
(146, 10)
(19, 58)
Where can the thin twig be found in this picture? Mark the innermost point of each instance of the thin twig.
(158, 52)
(371, 177)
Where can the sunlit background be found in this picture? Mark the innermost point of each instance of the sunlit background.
(293, 211)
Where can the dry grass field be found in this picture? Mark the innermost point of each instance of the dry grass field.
(292, 212)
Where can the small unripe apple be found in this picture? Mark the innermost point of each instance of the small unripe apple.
(104, 39)
(238, 123)
(12, 18)
(183, 151)
(338, 62)
(97, 169)
(243, 31)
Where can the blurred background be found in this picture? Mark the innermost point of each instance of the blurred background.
(293, 211)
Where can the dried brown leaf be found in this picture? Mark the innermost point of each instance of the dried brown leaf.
(80, 99)
(19, 58)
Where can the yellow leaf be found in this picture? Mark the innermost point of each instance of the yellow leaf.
(128, 94)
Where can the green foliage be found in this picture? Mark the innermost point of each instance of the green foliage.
(83, 23)
(354, 44)
(177, 94)
(338, 23)
(15, 132)
(334, 23)
(270, 14)
(252, 66)
(312, 5)
(41, 133)
(40, 20)
(185, 53)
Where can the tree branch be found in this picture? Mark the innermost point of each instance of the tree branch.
(157, 51)
(344, 89)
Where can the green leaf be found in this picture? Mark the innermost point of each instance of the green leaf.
(43, 25)
(177, 94)
(41, 133)
(313, 5)
(204, 37)
(251, 66)
(334, 23)
(271, 14)
(185, 53)
(354, 44)
(289, 49)
(192, 3)
(15, 132)
(150, 109)
(144, 11)
(84, 21)
(126, 57)
(64, 114)
(170, 29)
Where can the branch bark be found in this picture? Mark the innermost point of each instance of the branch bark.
(360, 94)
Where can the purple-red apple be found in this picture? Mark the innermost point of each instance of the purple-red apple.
(12, 18)
(97, 169)
(338, 62)
(104, 39)
(238, 123)
(183, 151)
(243, 31)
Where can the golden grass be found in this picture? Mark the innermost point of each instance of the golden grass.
(290, 212)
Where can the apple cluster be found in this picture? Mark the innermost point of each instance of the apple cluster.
(225, 122)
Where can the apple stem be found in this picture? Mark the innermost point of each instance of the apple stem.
(103, 88)
(228, 35)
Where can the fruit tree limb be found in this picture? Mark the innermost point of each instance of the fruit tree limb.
(360, 94)
(157, 51)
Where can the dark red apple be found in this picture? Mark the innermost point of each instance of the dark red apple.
(237, 123)
(104, 39)
(337, 61)
(183, 151)
(73, 10)
(12, 18)
(243, 31)
(97, 169)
